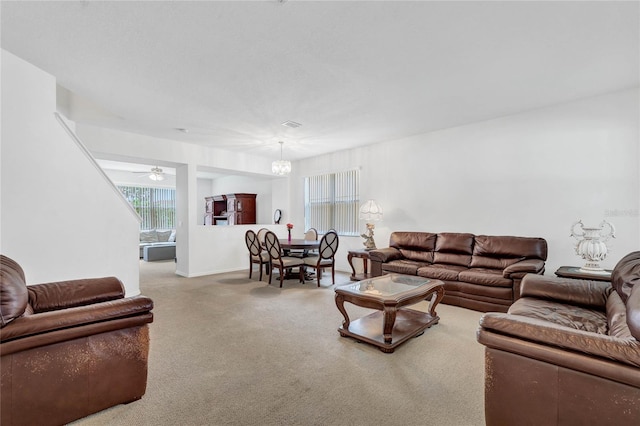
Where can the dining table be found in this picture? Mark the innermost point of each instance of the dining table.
(298, 244)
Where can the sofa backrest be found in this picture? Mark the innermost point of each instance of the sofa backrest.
(13, 291)
(498, 252)
(418, 246)
(158, 236)
(626, 274)
(453, 248)
(625, 279)
(475, 251)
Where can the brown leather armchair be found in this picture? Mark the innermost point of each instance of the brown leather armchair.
(69, 349)
(567, 352)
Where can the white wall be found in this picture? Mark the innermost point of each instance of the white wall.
(245, 184)
(200, 250)
(61, 219)
(530, 174)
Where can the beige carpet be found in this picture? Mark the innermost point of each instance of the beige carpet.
(226, 350)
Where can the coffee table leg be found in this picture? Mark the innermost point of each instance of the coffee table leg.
(435, 299)
(389, 321)
(343, 311)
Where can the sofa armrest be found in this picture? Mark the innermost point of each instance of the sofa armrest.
(526, 266)
(46, 322)
(566, 290)
(68, 294)
(385, 254)
(546, 333)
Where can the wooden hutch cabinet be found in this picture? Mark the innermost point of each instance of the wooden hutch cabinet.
(230, 209)
(241, 209)
(215, 209)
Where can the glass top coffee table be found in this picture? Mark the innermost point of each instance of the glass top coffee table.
(389, 294)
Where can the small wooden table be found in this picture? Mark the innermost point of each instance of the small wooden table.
(578, 273)
(361, 254)
(388, 294)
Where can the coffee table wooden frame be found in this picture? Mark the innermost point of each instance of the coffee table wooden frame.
(394, 324)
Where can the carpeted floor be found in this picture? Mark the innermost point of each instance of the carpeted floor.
(227, 350)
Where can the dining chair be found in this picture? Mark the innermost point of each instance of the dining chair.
(256, 255)
(277, 260)
(311, 234)
(326, 256)
(261, 233)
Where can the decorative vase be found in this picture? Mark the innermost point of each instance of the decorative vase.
(592, 245)
(289, 237)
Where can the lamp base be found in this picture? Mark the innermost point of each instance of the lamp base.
(369, 243)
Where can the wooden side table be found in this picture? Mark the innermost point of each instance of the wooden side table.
(576, 272)
(361, 254)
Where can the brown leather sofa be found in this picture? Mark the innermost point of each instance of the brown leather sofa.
(567, 352)
(479, 272)
(68, 349)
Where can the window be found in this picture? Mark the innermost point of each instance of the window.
(332, 202)
(156, 206)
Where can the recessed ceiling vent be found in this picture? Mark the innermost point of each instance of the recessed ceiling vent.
(291, 124)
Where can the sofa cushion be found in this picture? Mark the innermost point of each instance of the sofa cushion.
(493, 262)
(419, 256)
(510, 247)
(172, 237)
(571, 316)
(441, 272)
(633, 312)
(492, 277)
(414, 241)
(617, 317)
(626, 274)
(163, 236)
(447, 242)
(453, 249)
(452, 259)
(406, 267)
(13, 291)
(150, 236)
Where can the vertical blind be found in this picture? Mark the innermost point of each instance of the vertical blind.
(156, 206)
(332, 202)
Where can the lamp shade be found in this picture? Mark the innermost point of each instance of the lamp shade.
(281, 167)
(371, 211)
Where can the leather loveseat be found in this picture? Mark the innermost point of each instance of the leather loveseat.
(479, 272)
(567, 352)
(68, 349)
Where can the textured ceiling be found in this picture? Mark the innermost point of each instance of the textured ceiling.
(352, 73)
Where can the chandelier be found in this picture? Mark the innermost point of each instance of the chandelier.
(281, 167)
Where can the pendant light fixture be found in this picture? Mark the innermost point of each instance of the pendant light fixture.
(281, 167)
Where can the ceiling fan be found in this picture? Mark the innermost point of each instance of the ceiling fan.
(156, 173)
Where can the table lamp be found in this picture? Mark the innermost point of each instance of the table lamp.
(370, 212)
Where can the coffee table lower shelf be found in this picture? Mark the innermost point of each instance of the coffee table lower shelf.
(409, 323)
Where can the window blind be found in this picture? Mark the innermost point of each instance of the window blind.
(332, 202)
(156, 206)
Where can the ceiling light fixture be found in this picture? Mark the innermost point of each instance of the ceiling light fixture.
(281, 167)
(156, 174)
